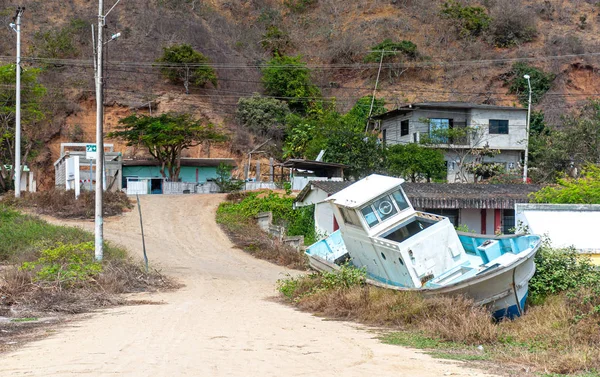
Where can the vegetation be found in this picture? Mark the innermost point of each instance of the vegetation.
(165, 137)
(236, 217)
(559, 334)
(540, 82)
(512, 24)
(468, 20)
(299, 6)
(288, 79)
(263, 116)
(183, 64)
(52, 269)
(62, 203)
(61, 43)
(276, 41)
(583, 190)
(415, 162)
(391, 48)
(224, 180)
(31, 115)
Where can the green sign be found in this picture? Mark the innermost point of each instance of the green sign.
(90, 151)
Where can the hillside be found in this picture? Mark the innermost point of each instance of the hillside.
(333, 36)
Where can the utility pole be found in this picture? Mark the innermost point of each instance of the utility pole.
(526, 157)
(17, 167)
(99, 221)
(374, 91)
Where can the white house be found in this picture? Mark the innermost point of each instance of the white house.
(500, 128)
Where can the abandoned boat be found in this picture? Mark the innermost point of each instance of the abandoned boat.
(404, 249)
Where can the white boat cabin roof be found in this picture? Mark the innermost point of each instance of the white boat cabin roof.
(365, 190)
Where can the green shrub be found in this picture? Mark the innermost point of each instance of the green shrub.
(468, 20)
(262, 115)
(298, 222)
(299, 6)
(276, 41)
(224, 180)
(540, 82)
(192, 66)
(559, 270)
(345, 278)
(391, 48)
(583, 190)
(66, 265)
(512, 24)
(60, 43)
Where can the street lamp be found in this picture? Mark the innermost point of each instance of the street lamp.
(525, 160)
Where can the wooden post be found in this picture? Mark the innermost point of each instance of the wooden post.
(483, 221)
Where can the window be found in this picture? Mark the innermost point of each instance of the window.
(439, 124)
(404, 128)
(508, 221)
(350, 216)
(498, 126)
(400, 200)
(370, 216)
(384, 135)
(385, 208)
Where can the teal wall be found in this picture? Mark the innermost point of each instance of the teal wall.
(187, 173)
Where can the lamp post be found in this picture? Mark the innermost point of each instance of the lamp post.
(17, 167)
(526, 158)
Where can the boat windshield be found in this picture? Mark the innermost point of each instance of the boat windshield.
(384, 207)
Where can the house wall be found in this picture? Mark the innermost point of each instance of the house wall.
(187, 173)
(323, 212)
(517, 122)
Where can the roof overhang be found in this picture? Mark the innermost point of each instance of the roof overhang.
(198, 162)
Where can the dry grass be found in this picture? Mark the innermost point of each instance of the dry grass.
(250, 238)
(62, 204)
(562, 335)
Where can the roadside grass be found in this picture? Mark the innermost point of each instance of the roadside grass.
(241, 228)
(51, 269)
(560, 335)
(62, 203)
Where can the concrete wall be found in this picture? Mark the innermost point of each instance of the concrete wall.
(564, 224)
(187, 173)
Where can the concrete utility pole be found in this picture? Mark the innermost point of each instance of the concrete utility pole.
(99, 221)
(526, 158)
(17, 167)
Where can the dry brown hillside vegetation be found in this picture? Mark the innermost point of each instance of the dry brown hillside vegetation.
(457, 55)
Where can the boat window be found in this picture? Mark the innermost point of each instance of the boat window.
(370, 216)
(400, 200)
(350, 216)
(385, 207)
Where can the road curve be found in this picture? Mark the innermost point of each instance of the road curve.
(224, 322)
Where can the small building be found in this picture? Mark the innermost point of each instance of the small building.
(482, 208)
(304, 171)
(28, 181)
(76, 168)
(495, 127)
(142, 176)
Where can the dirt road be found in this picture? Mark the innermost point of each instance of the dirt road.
(223, 323)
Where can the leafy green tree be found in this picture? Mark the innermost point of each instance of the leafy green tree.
(415, 162)
(263, 115)
(224, 180)
(32, 93)
(357, 117)
(183, 64)
(583, 190)
(364, 154)
(540, 82)
(288, 78)
(392, 49)
(165, 137)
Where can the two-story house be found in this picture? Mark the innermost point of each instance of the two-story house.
(497, 128)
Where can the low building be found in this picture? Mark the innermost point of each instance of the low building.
(482, 208)
(304, 171)
(28, 181)
(499, 128)
(142, 176)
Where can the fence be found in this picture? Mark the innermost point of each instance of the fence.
(265, 222)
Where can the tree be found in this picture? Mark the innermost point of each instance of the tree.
(362, 153)
(287, 78)
(275, 40)
(263, 115)
(583, 190)
(32, 93)
(540, 82)
(415, 162)
(166, 136)
(182, 64)
(224, 180)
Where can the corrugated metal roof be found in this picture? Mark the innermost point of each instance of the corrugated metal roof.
(199, 162)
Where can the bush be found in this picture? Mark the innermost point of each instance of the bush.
(189, 66)
(468, 20)
(224, 180)
(60, 43)
(299, 6)
(559, 270)
(262, 115)
(391, 48)
(583, 190)
(512, 24)
(276, 41)
(540, 82)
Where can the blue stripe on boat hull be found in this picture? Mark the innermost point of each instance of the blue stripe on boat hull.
(512, 311)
